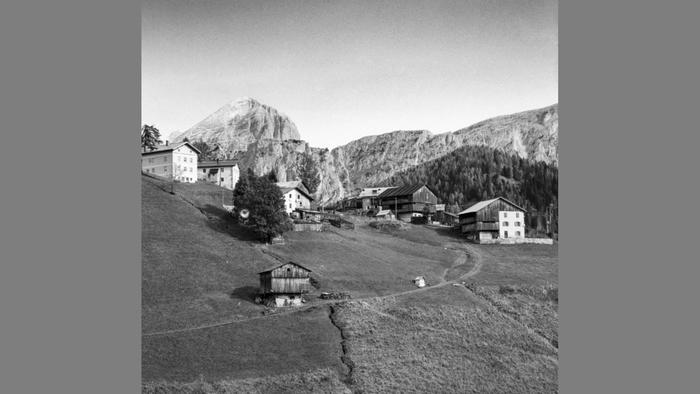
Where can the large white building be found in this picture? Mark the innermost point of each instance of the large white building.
(173, 161)
(497, 218)
(224, 173)
(296, 195)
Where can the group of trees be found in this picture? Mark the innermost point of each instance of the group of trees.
(264, 202)
(475, 173)
(150, 137)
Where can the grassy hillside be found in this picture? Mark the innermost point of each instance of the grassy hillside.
(203, 333)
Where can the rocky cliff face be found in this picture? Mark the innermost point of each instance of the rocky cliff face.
(236, 125)
(262, 139)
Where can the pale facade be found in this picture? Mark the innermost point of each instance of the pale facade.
(295, 198)
(172, 161)
(512, 224)
(296, 195)
(224, 173)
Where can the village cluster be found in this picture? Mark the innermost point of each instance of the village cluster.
(496, 220)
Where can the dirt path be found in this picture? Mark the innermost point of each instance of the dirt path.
(468, 249)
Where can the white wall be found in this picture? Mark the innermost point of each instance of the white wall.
(293, 200)
(226, 177)
(160, 164)
(511, 223)
(185, 164)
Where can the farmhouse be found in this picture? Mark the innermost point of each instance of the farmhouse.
(224, 173)
(173, 161)
(493, 219)
(447, 218)
(296, 195)
(369, 197)
(408, 201)
(284, 284)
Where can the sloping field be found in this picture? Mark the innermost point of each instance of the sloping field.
(526, 264)
(190, 265)
(303, 341)
(203, 333)
(365, 262)
(464, 345)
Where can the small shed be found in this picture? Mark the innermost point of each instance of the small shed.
(283, 285)
(419, 281)
(385, 214)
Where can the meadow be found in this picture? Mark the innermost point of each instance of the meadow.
(203, 333)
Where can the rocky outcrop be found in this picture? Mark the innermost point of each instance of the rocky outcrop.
(261, 138)
(236, 125)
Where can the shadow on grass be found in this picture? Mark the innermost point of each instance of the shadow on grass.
(245, 293)
(449, 232)
(222, 221)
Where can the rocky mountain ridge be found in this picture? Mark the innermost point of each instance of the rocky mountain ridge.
(262, 139)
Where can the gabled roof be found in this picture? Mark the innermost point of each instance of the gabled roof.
(367, 191)
(482, 204)
(291, 185)
(216, 163)
(279, 265)
(169, 147)
(401, 191)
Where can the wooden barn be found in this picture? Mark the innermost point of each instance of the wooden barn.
(284, 284)
(408, 201)
(493, 219)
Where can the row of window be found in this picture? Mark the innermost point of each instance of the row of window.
(505, 214)
(505, 234)
(165, 159)
(516, 224)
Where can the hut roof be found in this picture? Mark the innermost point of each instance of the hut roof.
(401, 191)
(481, 204)
(169, 147)
(279, 265)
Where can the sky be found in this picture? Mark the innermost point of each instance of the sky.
(342, 70)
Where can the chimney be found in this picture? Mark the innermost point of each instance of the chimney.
(166, 142)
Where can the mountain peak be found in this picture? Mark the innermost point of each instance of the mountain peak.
(239, 123)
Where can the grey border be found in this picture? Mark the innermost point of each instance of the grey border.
(69, 212)
(70, 205)
(629, 96)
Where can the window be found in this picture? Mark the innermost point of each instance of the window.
(222, 179)
(166, 169)
(204, 171)
(290, 206)
(517, 233)
(290, 195)
(517, 214)
(505, 214)
(505, 234)
(505, 224)
(517, 224)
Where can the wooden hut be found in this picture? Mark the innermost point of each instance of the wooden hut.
(284, 284)
(493, 219)
(409, 201)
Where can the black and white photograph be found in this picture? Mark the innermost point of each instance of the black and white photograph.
(349, 196)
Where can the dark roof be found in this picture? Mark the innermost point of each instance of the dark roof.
(216, 163)
(401, 191)
(169, 147)
(291, 185)
(279, 265)
(482, 204)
